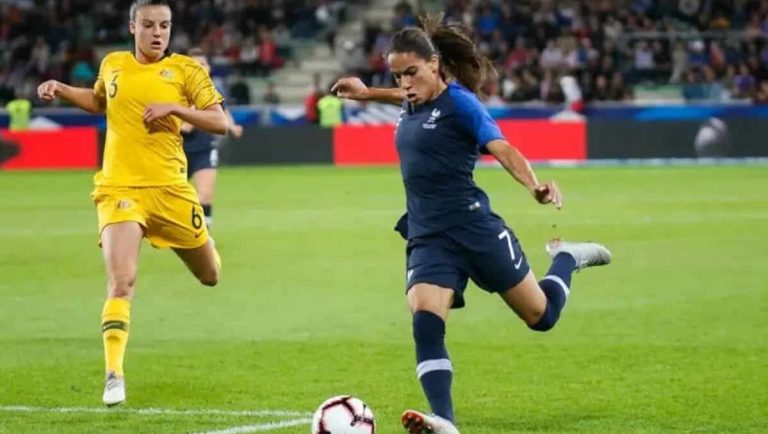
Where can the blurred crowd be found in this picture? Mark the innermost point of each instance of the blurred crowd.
(57, 39)
(714, 50)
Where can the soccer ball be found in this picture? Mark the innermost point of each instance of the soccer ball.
(343, 415)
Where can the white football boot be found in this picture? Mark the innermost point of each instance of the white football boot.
(114, 390)
(416, 422)
(585, 254)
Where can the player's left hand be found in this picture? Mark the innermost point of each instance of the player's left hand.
(548, 192)
(154, 112)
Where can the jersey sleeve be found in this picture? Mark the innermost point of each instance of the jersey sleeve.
(475, 118)
(199, 88)
(99, 88)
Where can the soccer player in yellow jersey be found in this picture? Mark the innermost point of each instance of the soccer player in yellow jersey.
(142, 189)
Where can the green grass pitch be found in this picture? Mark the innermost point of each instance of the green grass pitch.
(671, 338)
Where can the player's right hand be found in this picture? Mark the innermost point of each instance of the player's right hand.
(350, 88)
(47, 90)
(548, 192)
(236, 130)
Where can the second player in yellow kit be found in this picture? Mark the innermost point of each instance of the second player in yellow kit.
(142, 189)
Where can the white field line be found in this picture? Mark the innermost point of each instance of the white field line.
(269, 426)
(157, 411)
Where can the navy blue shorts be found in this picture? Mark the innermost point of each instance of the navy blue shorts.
(485, 251)
(199, 160)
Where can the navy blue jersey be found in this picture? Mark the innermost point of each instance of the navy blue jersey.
(199, 160)
(438, 143)
(197, 140)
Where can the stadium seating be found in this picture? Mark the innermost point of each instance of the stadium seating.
(616, 50)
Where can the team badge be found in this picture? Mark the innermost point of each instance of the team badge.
(431, 124)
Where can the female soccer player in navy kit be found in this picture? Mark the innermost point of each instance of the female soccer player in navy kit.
(453, 235)
(201, 150)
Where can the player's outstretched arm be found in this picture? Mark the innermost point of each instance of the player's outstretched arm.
(84, 98)
(210, 119)
(517, 166)
(354, 88)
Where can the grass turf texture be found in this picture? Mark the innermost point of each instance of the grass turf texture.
(669, 338)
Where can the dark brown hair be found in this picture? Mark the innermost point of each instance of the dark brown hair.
(137, 4)
(459, 58)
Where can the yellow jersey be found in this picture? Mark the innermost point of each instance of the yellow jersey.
(138, 154)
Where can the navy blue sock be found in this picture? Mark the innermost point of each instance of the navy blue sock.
(563, 266)
(208, 212)
(434, 368)
(556, 286)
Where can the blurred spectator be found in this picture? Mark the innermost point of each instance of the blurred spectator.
(282, 37)
(82, 74)
(643, 56)
(404, 16)
(761, 95)
(713, 89)
(312, 98)
(679, 62)
(249, 57)
(19, 111)
(742, 83)
(269, 58)
(353, 61)
(619, 89)
(326, 15)
(487, 20)
(330, 110)
(492, 98)
(601, 91)
(510, 83)
(552, 56)
(270, 95)
(239, 92)
(519, 56)
(697, 57)
(40, 57)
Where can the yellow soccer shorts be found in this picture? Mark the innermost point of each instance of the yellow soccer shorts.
(170, 215)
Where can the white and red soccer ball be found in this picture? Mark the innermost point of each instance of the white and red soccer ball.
(343, 415)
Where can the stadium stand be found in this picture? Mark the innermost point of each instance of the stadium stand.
(707, 50)
(619, 50)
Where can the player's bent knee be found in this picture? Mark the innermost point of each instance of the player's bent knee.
(422, 305)
(532, 316)
(547, 321)
(209, 277)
